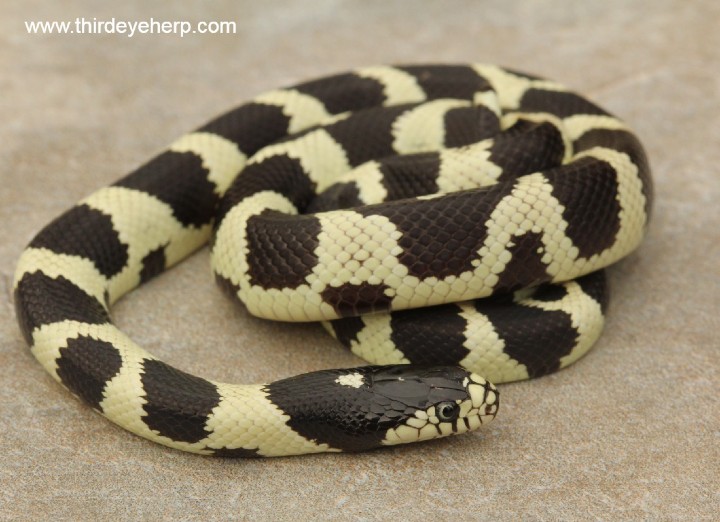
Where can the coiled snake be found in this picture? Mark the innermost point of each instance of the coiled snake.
(416, 190)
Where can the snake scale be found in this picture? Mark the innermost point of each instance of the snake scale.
(443, 221)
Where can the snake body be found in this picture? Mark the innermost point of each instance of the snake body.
(385, 202)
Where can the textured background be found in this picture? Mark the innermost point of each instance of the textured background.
(630, 432)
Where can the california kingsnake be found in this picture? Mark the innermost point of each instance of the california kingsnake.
(457, 183)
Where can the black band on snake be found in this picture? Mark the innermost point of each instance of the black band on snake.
(444, 222)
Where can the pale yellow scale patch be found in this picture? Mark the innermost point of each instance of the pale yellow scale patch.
(430, 196)
(530, 207)
(416, 293)
(321, 157)
(49, 338)
(467, 168)
(374, 342)
(510, 88)
(356, 249)
(422, 129)
(157, 229)
(229, 260)
(586, 318)
(486, 355)
(576, 126)
(632, 215)
(489, 100)
(399, 86)
(299, 304)
(633, 219)
(78, 270)
(221, 157)
(368, 178)
(246, 418)
(124, 395)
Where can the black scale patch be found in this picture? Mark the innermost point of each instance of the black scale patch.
(153, 264)
(527, 147)
(525, 267)
(85, 232)
(440, 237)
(350, 300)
(345, 92)
(281, 256)
(336, 196)
(367, 134)
(251, 126)
(347, 329)
(178, 404)
(464, 126)
(588, 190)
(236, 453)
(447, 81)
(324, 411)
(180, 180)
(281, 174)
(626, 142)
(40, 300)
(227, 286)
(595, 285)
(430, 336)
(86, 365)
(561, 104)
(410, 176)
(549, 293)
(533, 337)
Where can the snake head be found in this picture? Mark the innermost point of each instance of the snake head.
(357, 409)
(416, 403)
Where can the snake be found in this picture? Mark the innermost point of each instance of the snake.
(448, 223)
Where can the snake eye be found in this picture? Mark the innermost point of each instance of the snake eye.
(447, 411)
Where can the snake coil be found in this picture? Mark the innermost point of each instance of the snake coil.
(432, 216)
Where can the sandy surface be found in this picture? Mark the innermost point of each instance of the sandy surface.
(630, 432)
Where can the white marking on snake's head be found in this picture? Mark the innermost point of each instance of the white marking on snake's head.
(354, 380)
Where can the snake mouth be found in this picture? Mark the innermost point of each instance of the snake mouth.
(484, 395)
